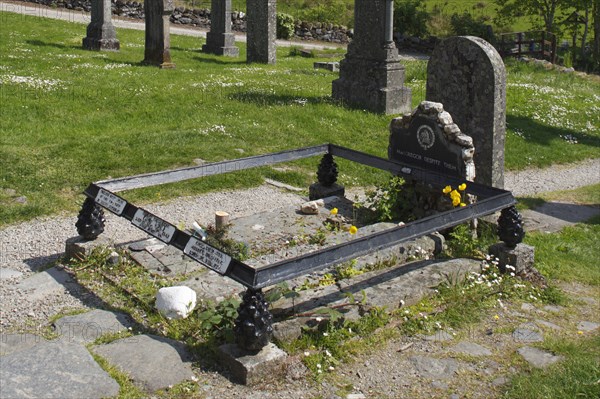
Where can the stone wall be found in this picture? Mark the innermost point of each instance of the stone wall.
(201, 18)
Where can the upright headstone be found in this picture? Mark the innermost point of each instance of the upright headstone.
(220, 40)
(371, 76)
(158, 40)
(101, 33)
(467, 75)
(261, 26)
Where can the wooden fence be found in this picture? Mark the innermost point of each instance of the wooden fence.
(537, 44)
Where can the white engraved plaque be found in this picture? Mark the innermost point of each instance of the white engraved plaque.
(111, 202)
(207, 255)
(154, 225)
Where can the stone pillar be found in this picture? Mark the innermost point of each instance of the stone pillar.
(158, 40)
(101, 33)
(220, 40)
(261, 26)
(371, 76)
(467, 75)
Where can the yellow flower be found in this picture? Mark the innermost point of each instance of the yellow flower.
(462, 187)
(455, 201)
(334, 211)
(447, 189)
(580, 332)
(463, 204)
(496, 317)
(454, 194)
(353, 229)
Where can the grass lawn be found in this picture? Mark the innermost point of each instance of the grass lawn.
(69, 116)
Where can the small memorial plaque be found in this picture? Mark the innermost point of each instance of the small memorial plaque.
(207, 255)
(111, 202)
(154, 225)
(424, 144)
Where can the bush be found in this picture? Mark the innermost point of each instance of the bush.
(285, 26)
(464, 24)
(410, 17)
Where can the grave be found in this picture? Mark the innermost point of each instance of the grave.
(158, 41)
(220, 40)
(253, 328)
(101, 33)
(467, 75)
(371, 76)
(261, 21)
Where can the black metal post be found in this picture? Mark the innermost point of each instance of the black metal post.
(510, 227)
(254, 325)
(90, 222)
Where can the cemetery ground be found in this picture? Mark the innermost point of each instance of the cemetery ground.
(71, 116)
(465, 340)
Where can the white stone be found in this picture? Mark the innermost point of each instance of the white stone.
(431, 107)
(176, 302)
(464, 140)
(312, 207)
(445, 118)
(452, 129)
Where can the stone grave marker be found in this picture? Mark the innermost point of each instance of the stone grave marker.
(220, 40)
(467, 75)
(158, 40)
(429, 138)
(371, 76)
(101, 33)
(261, 21)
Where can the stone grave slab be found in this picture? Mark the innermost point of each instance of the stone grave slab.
(55, 370)
(163, 260)
(45, 283)
(10, 343)
(212, 286)
(587, 326)
(438, 336)
(537, 357)
(253, 368)
(152, 362)
(87, 327)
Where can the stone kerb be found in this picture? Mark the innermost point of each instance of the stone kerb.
(261, 22)
(429, 138)
(468, 76)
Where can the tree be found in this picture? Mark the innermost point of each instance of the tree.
(508, 10)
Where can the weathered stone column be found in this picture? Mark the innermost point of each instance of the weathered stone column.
(220, 40)
(261, 25)
(101, 33)
(158, 40)
(371, 76)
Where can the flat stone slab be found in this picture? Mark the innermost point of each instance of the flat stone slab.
(45, 283)
(163, 260)
(89, 326)
(547, 324)
(471, 349)
(212, 286)
(252, 368)
(554, 216)
(527, 332)
(55, 370)
(537, 357)
(10, 343)
(6, 274)
(152, 362)
(587, 326)
(434, 368)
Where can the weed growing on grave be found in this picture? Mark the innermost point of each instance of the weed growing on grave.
(463, 242)
(129, 288)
